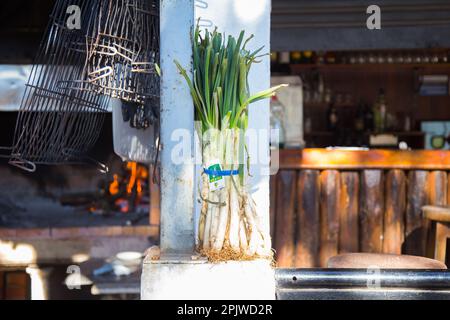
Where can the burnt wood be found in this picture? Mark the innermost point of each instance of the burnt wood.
(371, 211)
(415, 233)
(308, 219)
(361, 159)
(348, 207)
(395, 211)
(329, 215)
(273, 207)
(285, 221)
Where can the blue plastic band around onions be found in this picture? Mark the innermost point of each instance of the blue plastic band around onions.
(221, 173)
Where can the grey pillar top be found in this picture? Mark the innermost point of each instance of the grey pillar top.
(177, 123)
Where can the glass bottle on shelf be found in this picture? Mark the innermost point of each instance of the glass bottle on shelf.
(274, 57)
(332, 117)
(330, 57)
(307, 57)
(284, 57)
(368, 118)
(308, 125)
(359, 122)
(319, 58)
(296, 57)
(359, 119)
(277, 123)
(379, 112)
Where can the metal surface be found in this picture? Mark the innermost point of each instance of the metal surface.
(177, 123)
(12, 85)
(132, 144)
(362, 294)
(56, 123)
(112, 54)
(331, 284)
(311, 278)
(13, 80)
(124, 49)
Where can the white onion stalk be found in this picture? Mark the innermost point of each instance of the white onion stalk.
(224, 211)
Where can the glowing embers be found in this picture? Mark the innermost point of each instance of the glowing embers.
(125, 191)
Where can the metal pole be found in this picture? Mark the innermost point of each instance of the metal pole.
(387, 278)
(177, 125)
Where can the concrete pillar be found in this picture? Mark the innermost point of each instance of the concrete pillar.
(177, 122)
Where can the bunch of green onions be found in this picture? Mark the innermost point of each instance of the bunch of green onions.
(229, 224)
(219, 89)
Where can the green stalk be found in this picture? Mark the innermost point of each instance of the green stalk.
(220, 89)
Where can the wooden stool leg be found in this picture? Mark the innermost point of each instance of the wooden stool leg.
(441, 241)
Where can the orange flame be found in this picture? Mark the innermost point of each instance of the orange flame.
(138, 172)
(133, 167)
(135, 182)
(114, 186)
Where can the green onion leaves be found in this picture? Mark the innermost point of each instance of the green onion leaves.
(219, 88)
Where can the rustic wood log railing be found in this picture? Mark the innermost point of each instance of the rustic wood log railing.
(325, 202)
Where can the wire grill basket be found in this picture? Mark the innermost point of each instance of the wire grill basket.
(113, 53)
(122, 54)
(57, 123)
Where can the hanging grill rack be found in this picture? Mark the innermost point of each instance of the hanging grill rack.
(121, 57)
(75, 72)
(56, 123)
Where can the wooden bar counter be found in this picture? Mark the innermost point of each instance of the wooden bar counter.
(330, 201)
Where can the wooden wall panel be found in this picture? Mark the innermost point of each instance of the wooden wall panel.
(325, 159)
(2, 285)
(437, 188)
(16, 285)
(436, 195)
(273, 207)
(395, 194)
(415, 233)
(308, 219)
(371, 211)
(329, 215)
(448, 188)
(316, 214)
(348, 207)
(285, 220)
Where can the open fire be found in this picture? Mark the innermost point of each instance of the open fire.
(124, 191)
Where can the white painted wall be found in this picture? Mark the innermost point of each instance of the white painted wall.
(253, 16)
(179, 182)
(177, 112)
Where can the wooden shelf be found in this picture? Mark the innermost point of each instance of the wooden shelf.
(318, 158)
(78, 232)
(296, 68)
(319, 133)
(396, 133)
(325, 104)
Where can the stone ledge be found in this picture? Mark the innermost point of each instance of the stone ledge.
(179, 277)
(77, 232)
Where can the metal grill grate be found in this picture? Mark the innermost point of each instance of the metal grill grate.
(56, 123)
(122, 55)
(112, 54)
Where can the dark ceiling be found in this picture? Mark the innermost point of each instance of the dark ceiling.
(22, 24)
(296, 25)
(341, 25)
